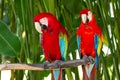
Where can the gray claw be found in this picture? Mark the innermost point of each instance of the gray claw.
(91, 59)
(85, 58)
(58, 63)
(45, 64)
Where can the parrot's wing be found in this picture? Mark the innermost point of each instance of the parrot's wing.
(98, 44)
(78, 44)
(63, 42)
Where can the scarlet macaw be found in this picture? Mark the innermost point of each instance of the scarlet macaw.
(89, 39)
(54, 40)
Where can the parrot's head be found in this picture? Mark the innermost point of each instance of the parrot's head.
(87, 16)
(45, 22)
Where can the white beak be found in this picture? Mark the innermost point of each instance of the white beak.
(43, 21)
(84, 18)
(90, 15)
(38, 27)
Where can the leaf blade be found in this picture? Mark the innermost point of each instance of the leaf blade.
(9, 43)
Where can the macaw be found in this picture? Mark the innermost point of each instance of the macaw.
(89, 40)
(54, 40)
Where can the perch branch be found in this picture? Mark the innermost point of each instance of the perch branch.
(23, 66)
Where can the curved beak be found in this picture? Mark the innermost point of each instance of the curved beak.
(38, 27)
(85, 19)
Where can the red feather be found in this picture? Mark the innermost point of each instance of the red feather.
(84, 11)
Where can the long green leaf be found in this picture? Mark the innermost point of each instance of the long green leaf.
(9, 43)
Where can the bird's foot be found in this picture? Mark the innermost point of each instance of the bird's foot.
(91, 59)
(86, 59)
(58, 63)
(45, 64)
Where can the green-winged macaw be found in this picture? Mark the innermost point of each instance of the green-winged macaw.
(89, 39)
(54, 40)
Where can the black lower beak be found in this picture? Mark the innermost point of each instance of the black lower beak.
(87, 20)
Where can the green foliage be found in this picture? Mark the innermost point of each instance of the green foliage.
(9, 43)
(18, 20)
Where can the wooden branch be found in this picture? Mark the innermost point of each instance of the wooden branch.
(22, 66)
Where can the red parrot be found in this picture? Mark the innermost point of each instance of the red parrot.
(89, 39)
(54, 40)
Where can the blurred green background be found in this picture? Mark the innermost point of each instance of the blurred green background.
(19, 41)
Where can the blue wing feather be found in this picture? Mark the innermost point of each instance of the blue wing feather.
(63, 42)
(78, 44)
(96, 43)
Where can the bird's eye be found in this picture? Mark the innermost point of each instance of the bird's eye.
(43, 26)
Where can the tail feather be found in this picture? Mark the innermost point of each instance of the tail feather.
(88, 69)
(57, 74)
(89, 73)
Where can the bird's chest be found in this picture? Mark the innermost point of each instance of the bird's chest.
(87, 37)
(88, 34)
(49, 41)
(50, 45)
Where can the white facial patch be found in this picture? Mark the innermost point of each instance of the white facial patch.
(38, 27)
(84, 18)
(89, 15)
(44, 21)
